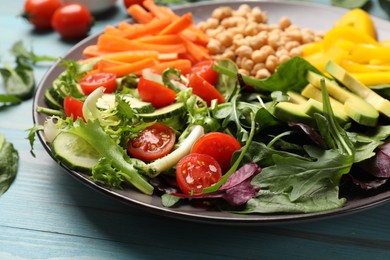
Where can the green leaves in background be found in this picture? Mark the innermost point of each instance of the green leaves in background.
(349, 3)
(9, 158)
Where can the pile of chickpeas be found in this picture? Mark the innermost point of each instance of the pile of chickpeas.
(258, 48)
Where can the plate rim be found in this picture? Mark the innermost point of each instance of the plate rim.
(238, 219)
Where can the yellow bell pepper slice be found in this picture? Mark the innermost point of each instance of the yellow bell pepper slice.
(373, 78)
(358, 19)
(346, 33)
(320, 59)
(311, 48)
(355, 67)
(363, 53)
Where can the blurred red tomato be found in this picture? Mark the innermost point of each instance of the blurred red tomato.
(128, 3)
(72, 21)
(40, 12)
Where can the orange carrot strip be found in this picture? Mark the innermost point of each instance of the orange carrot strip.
(156, 10)
(115, 43)
(183, 65)
(135, 67)
(139, 14)
(93, 51)
(178, 25)
(196, 51)
(161, 39)
(125, 56)
(106, 63)
(112, 29)
(153, 27)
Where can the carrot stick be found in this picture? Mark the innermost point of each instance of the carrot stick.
(106, 63)
(115, 43)
(153, 27)
(183, 65)
(168, 56)
(126, 56)
(196, 51)
(161, 39)
(93, 51)
(156, 10)
(135, 67)
(139, 14)
(178, 25)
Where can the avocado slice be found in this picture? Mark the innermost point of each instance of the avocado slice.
(313, 106)
(296, 98)
(344, 77)
(290, 112)
(355, 107)
(312, 92)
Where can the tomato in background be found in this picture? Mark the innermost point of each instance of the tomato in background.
(73, 107)
(154, 142)
(205, 70)
(204, 89)
(155, 93)
(218, 145)
(72, 21)
(101, 79)
(128, 3)
(194, 172)
(40, 12)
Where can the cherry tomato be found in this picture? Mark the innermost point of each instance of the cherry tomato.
(101, 79)
(40, 12)
(155, 93)
(195, 171)
(73, 107)
(154, 142)
(129, 3)
(218, 145)
(72, 21)
(205, 70)
(204, 89)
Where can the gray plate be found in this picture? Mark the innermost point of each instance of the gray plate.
(317, 17)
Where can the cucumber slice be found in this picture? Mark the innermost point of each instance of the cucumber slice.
(50, 101)
(164, 112)
(108, 100)
(74, 152)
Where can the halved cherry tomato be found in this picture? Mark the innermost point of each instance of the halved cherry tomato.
(154, 142)
(155, 93)
(205, 70)
(72, 21)
(101, 79)
(73, 107)
(195, 171)
(218, 145)
(40, 12)
(204, 89)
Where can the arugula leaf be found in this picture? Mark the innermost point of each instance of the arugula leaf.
(227, 85)
(19, 50)
(9, 100)
(297, 177)
(9, 158)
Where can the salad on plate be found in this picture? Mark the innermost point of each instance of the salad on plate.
(233, 113)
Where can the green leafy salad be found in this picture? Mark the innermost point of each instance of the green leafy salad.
(280, 151)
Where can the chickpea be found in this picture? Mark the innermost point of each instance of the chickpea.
(212, 23)
(222, 13)
(251, 29)
(257, 41)
(284, 22)
(214, 47)
(228, 54)
(262, 74)
(283, 58)
(271, 63)
(225, 39)
(247, 64)
(296, 52)
(243, 72)
(268, 50)
(244, 51)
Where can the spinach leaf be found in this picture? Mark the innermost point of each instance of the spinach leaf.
(227, 85)
(19, 81)
(290, 75)
(9, 158)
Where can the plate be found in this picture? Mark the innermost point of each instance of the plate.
(306, 15)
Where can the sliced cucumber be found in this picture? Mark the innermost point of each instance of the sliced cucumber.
(74, 152)
(50, 101)
(164, 112)
(108, 100)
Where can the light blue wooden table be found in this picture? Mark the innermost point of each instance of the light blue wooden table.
(47, 214)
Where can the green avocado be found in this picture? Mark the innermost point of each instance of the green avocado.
(356, 108)
(340, 74)
(296, 98)
(290, 112)
(313, 106)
